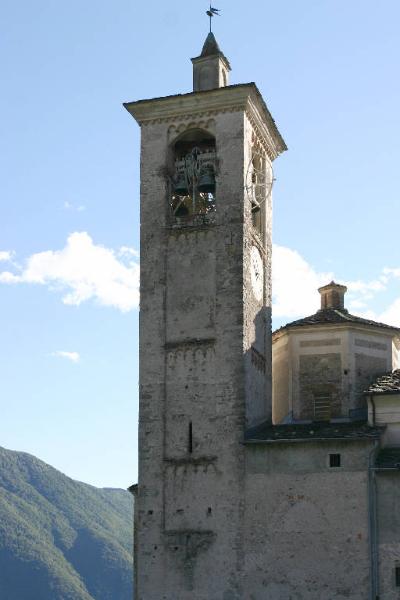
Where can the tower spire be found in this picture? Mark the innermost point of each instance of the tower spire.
(211, 68)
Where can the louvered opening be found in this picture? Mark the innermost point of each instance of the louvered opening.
(322, 407)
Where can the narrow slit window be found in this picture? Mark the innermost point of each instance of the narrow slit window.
(334, 461)
(190, 441)
(397, 576)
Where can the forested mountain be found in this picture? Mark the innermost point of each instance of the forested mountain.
(61, 539)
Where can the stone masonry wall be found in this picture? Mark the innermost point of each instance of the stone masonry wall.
(280, 380)
(367, 368)
(319, 374)
(306, 523)
(257, 312)
(192, 401)
(388, 488)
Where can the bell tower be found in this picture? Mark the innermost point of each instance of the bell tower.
(205, 334)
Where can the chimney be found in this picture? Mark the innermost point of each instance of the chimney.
(332, 296)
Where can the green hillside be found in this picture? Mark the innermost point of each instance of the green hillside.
(61, 539)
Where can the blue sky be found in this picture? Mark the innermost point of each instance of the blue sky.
(69, 185)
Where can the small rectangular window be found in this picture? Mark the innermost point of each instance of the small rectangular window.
(334, 460)
(397, 575)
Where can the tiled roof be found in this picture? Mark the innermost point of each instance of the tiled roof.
(388, 458)
(269, 434)
(386, 384)
(335, 316)
(133, 489)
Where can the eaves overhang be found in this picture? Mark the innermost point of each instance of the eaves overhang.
(382, 393)
(244, 97)
(313, 432)
(312, 328)
(310, 440)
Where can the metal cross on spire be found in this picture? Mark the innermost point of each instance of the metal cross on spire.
(212, 12)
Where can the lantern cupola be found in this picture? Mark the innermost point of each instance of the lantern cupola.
(211, 68)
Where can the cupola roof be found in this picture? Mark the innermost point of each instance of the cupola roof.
(332, 312)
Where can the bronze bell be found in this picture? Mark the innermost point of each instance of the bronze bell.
(206, 183)
(181, 211)
(180, 187)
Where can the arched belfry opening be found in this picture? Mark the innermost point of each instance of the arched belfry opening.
(258, 176)
(193, 182)
(259, 181)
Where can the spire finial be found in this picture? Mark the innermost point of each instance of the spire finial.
(212, 12)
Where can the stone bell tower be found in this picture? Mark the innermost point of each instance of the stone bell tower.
(205, 339)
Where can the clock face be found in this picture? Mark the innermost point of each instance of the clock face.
(257, 273)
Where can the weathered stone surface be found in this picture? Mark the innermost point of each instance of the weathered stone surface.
(205, 362)
(228, 506)
(306, 524)
(339, 359)
(319, 375)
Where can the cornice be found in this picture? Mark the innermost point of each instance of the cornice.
(244, 98)
(314, 327)
(205, 59)
(264, 127)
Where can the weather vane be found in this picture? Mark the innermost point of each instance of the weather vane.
(212, 12)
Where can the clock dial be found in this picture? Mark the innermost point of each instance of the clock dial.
(257, 273)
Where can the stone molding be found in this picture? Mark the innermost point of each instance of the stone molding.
(323, 327)
(197, 106)
(190, 344)
(176, 129)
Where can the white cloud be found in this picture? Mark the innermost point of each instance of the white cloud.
(70, 206)
(391, 272)
(367, 288)
(72, 356)
(392, 314)
(128, 251)
(357, 304)
(7, 277)
(83, 271)
(6, 255)
(294, 284)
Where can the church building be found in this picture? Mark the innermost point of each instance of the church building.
(269, 464)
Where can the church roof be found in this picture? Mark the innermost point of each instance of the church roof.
(335, 316)
(389, 383)
(311, 432)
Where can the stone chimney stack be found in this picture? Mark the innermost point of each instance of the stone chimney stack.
(332, 296)
(211, 68)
